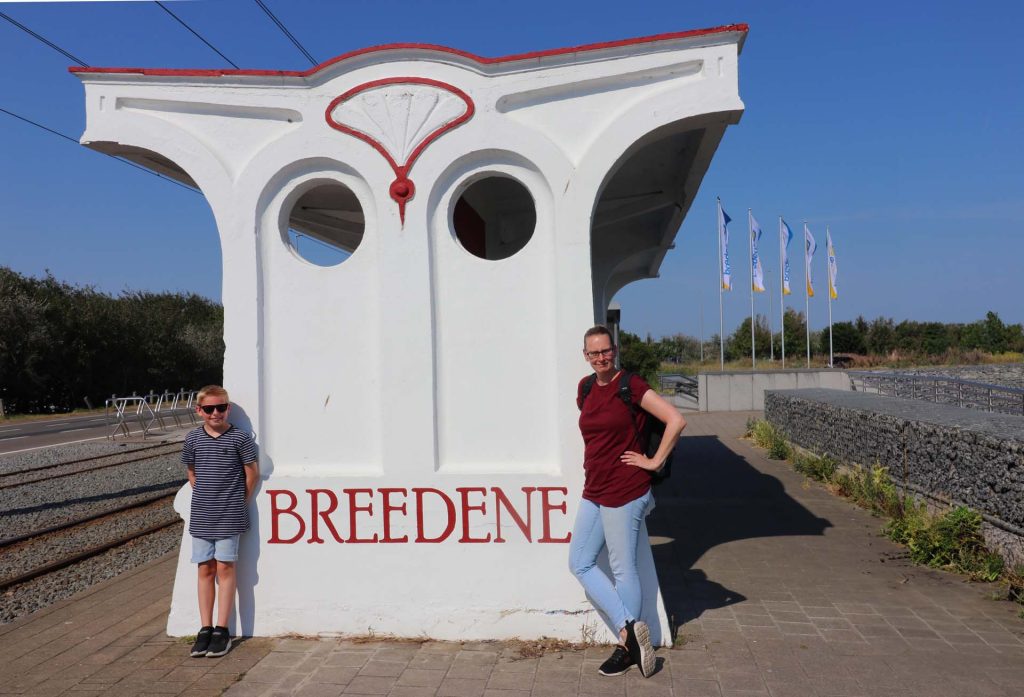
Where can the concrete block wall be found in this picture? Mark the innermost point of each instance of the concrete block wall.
(961, 455)
(733, 391)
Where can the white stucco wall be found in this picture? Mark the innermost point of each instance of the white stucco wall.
(413, 365)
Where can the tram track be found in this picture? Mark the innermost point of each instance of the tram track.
(28, 556)
(88, 553)
(74, 516)
(5, 483)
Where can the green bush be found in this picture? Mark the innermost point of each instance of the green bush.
(951, 541)
(823, 469)
(768, 437)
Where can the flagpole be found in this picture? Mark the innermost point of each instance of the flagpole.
(807, 298)
(771, 334)
(750, 263)
(700, 302)
(782, 292)
(828, 275)
(721, 317)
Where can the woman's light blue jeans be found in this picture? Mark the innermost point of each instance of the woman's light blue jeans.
(617, 528)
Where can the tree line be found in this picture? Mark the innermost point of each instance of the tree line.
(61, 344)
(881, 337)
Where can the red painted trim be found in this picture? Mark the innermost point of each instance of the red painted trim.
(402, 189)
(174, 72)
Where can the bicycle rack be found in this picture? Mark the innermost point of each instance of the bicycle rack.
(128, 409)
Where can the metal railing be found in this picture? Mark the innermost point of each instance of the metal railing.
(677, 383)
(941, 390)
(150, 412)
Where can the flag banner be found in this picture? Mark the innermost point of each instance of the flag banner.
(787, 237)
(723, 241)
(810, 247)
(755, 258)
(833, 272)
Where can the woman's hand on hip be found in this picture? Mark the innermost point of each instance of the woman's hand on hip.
(637, 460)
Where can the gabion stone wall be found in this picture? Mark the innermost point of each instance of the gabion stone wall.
(971, 457)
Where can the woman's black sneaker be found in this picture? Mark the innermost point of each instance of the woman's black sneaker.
(202, 644)
(220, 642)
(618, 663)
(638, 642)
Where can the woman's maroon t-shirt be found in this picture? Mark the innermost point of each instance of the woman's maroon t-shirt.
(605, 422)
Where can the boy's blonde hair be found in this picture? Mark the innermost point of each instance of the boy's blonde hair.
(212, 391)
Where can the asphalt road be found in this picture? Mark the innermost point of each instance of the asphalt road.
(18, 436)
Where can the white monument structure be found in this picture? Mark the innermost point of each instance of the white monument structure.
(413, 396)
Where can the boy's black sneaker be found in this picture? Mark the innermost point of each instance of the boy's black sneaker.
(220, 642)
(202, 644)
(617, 664)
(638, 642)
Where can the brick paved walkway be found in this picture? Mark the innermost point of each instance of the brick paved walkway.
(777, 588)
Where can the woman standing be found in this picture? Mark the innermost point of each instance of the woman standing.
(616, 495)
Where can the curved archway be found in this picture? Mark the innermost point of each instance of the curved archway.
(639, 208)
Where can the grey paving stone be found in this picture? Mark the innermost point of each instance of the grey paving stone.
(338, 675)
(318, 690)
(355, 659)
(369, 685)
(416, 677)
(696, 688)
(411, 691)
(383, 669)
(461, 687)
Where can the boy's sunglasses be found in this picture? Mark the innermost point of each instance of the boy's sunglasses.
(208, 408)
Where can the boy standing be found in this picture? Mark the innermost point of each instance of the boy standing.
(223, 470)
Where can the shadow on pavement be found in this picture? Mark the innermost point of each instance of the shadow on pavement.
(714, 496)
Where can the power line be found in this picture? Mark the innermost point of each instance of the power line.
(287, 33)
(196, 34)
(115, 157)
(49, 43)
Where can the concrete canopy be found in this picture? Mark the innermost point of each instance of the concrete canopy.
(414, 403)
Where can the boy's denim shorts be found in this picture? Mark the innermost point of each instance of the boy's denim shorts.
(204, 549)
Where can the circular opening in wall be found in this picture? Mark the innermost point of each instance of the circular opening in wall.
(326, 224)
(494, 218)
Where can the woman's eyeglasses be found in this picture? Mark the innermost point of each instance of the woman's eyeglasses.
(209, 408)
(603, 353)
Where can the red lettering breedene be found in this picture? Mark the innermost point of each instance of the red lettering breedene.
(315, 513)
(546, 507)
(275, 513)
(466, 509)
(501, 500)
(387, 508)
(353, 509)
(420, 536)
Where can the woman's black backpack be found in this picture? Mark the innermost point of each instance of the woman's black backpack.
(654, 428)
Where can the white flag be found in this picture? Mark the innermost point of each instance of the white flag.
(755, 258)
(723, 242)
(833, 272)
(787, 237)
(810, 246)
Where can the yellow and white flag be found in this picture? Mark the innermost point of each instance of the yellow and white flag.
(810, 246)
(757, 277)
(833, 272)
(723, 244)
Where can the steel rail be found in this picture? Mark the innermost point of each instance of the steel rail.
(81, 460)
(82, 556)
(954, 391)
(9, 541)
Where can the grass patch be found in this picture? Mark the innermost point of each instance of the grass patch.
(951, 540)
(768, 437)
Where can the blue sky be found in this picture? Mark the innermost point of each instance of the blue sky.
(900, 125)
